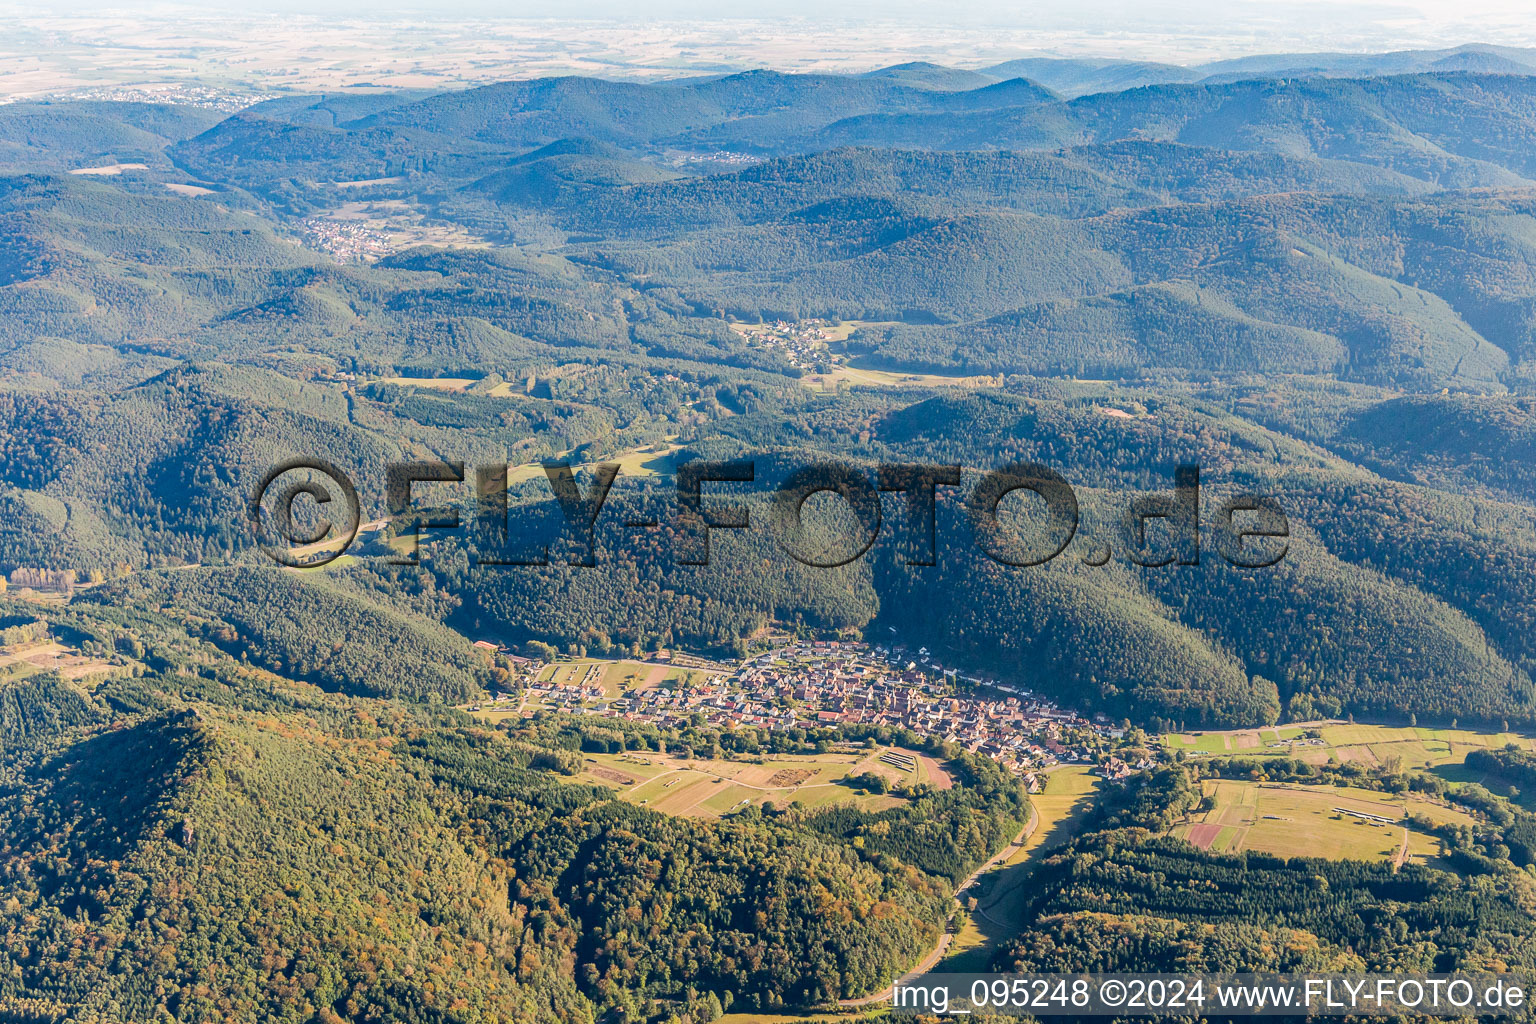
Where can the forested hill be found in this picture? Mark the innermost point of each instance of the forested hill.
(1401, 122)
(1369, 228)
(232, 791)
(1315, 277)
(764, 104)
(238, 844)
(1076, 76)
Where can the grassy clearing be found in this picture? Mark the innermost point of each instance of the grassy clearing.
(585, 672)
(886, 378)
(1314, 821)
(23, 660)
(650, 461)
(339, 562)
(653, 460)
(495, 715)
(1205, 743)
(433, 383)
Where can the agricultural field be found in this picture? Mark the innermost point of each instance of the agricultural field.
(844, 371)
(1068, 796)
(1337, 823)
(1412, 747)
(620, 677)
(339, 562)
(110, 170)
(702, 788)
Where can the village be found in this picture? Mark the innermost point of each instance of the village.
(802, 342)
(179, 94)
(346, 241)
(809, 684)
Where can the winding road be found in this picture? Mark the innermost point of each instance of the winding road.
(945, 938)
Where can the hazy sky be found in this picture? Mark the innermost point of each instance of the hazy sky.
(1108, 14)
(1407, 20)
(1080, 12)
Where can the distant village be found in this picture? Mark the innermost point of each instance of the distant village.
(716, 158)
(175, 95)
(803, 343)
(345, 241)
(830, 683)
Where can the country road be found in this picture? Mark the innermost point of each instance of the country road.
(937, 953)
(1402, 853)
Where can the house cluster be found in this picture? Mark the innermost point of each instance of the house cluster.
(802, 342)
(716, 158)
(345, 241)
(1117, 770)
(855, 683)
(808, 684)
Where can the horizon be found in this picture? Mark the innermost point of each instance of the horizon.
(273, 47)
